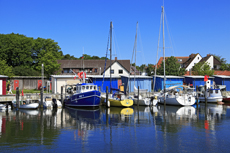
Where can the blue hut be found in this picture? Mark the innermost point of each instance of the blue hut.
(144, 82)
(194, 81)
(222, 80)
(170, 81)
(102, 82)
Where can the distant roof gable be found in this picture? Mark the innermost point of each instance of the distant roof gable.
(191, 58)
(183, 59)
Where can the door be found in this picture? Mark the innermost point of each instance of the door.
(16, 84)
(39, 84)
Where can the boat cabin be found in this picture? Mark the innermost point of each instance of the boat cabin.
(84, 88)
(80, 88)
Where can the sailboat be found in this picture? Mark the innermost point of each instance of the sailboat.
(138, 99)
(116, 99)
(174, 95)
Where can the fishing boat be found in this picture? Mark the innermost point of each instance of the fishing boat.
(27, 104)
(83, 95)
(118, 98)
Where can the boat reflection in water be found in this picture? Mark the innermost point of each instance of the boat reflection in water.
(176, 112)
(212, 111)
(84, 120)
(30, 112)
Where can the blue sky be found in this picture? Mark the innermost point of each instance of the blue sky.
(195, 26)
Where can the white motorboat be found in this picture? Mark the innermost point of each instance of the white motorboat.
(5, 107)
(28, 104)
(213, 96)
(47, 103)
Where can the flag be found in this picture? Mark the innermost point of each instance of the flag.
(206, 78)
(22, 93)
(82, 57)
(74, 77)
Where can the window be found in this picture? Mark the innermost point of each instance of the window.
(112, 71)
(120, 71)
(91, 87)
(179, 60)
(66, 70)
(198, 58)
(95, 87)
(87, 87)
(95, 70)
(83, 87)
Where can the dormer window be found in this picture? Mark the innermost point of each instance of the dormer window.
(179, 60)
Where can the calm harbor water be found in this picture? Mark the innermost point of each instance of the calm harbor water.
(143, 129)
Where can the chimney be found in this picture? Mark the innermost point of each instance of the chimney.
(115, 58)
(208, 55)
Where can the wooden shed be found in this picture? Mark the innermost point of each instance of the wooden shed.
(27, 82)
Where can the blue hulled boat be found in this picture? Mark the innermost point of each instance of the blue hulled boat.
(82, 95)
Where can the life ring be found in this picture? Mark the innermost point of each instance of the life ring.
(80, 75)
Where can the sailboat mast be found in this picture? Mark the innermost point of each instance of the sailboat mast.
(135, 50)
(163, 46)
(111, 26)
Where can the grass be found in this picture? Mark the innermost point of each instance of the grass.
(29, 91)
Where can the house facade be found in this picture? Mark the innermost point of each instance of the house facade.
(95, 67)
(189, 62)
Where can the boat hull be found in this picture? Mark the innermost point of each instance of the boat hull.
(28, 106)
(86, 99)
(211, 99)
(178, 101)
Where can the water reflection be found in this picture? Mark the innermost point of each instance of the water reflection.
(178, 113)
(136, 128)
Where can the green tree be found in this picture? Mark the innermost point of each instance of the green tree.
(202, 68)
(49, 60)
(68, 57)
(150, 69)
(171, 67)
(22, 71)
(16, 50)
(5, 69)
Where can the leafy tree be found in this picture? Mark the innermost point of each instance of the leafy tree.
(68, 57)
(95, 57)
(16, 50)
(49, 61)
(202, 68)
(150, 69)
(5, 69)
(171, 67)
(222, 60)
(22, 71)
(224, 67)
